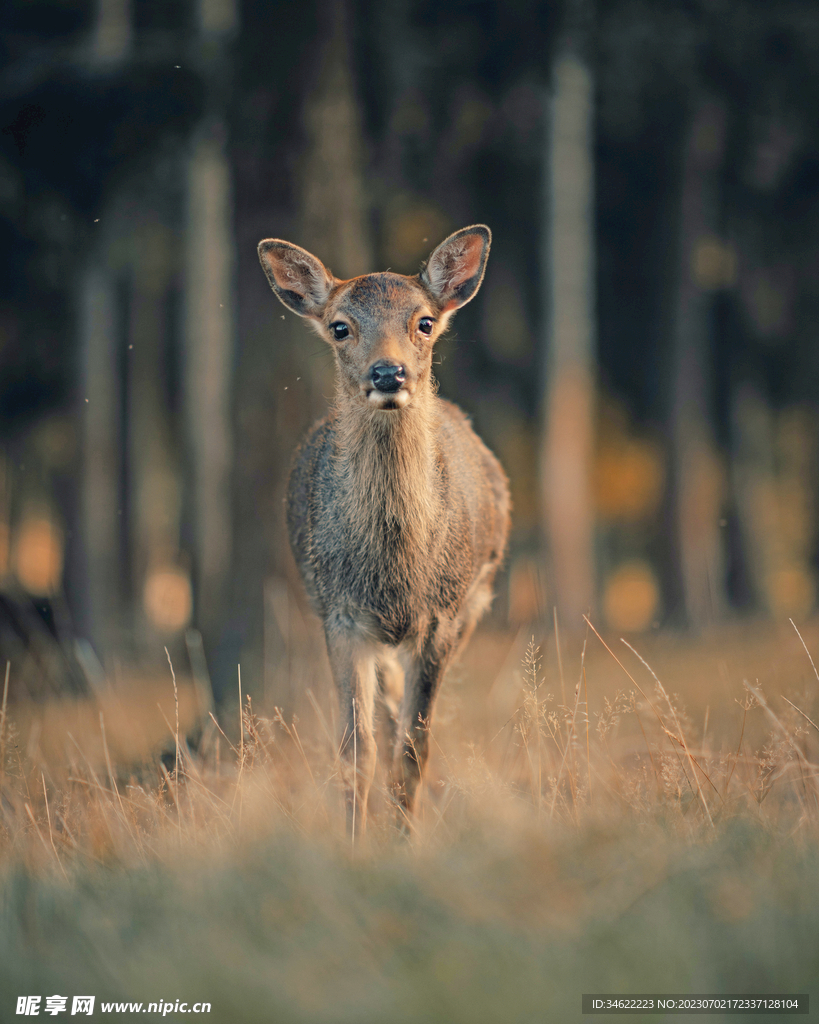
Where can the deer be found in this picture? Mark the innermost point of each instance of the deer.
(397, 513)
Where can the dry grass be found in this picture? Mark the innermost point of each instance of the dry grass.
(597, 818)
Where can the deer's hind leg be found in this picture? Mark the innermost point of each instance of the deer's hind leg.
(477, 603)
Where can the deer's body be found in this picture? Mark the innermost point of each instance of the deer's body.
(397, 512)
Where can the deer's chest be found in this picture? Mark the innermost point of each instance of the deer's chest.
(385, 576)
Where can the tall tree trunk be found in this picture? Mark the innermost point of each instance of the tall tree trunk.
(209, 318)
(568, 427)
(334, 216)
(155, 484)
(112, 35)
(696, 474)
(100, 618)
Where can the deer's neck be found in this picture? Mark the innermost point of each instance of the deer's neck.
(386, 471)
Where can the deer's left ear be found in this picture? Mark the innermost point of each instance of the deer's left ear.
(454, 272)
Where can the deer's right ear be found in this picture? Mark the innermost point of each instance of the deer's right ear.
(300, 281)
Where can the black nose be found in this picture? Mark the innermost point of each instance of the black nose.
(388, 378)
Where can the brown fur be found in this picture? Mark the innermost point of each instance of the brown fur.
(398, 514)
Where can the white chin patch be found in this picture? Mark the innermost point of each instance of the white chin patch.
(387, 402)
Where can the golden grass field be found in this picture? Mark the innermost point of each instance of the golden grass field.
(589, 824)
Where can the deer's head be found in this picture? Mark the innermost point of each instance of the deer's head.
(382, 327)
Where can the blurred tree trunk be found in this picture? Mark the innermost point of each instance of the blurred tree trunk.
(155, 474)
(209, 358)
(568, 427)
(100, 616)
(697, 478)
(209, 334)
(112, 33)
(334, 215)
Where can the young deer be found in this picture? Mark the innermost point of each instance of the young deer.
(397, 512)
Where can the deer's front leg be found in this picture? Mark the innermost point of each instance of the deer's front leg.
(353, 661)
(422, 687)
(390, 694)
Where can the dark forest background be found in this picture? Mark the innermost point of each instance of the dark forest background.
(643, 354)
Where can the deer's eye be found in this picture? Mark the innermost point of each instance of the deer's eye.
(339, 330)
(425, 325)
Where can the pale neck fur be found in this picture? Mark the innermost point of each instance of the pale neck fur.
(386, 469)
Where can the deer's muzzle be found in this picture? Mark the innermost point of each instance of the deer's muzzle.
(388, 378)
